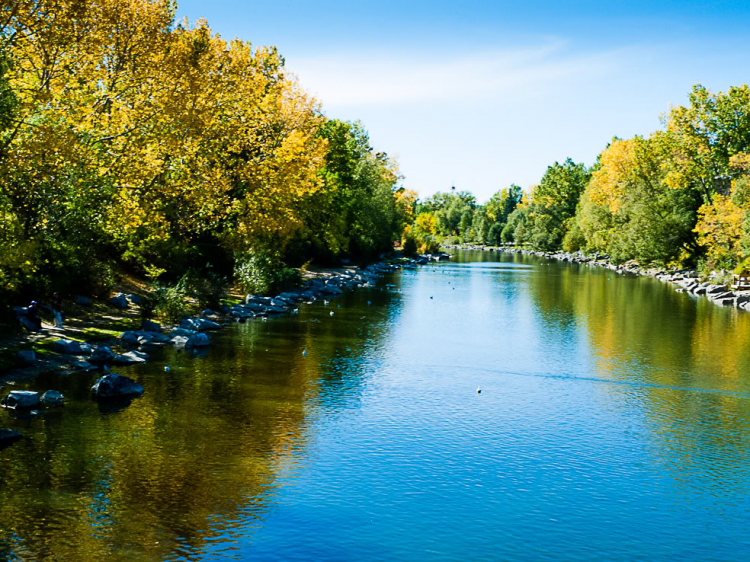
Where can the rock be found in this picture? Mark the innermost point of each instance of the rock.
(712, 289)
(71, 347)
(135, 299)
(181, 332)
(179, 341)
(152, 338)
(209, 312)
(21, 400)
(150, 326)
(8, 437)
(197, 340)
(53, 398)
(27, 356)
(119, 301)
(114, 385)
(721, 296)
(130, 337)
(199, 324)
(83, 301)
(102, 354)
(83, 365)
(130, 358)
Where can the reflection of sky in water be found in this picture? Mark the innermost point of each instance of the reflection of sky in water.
(612, 424)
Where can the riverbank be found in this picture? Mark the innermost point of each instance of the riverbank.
(99, 335)
(684, 280)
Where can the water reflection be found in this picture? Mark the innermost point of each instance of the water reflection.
(197, 458)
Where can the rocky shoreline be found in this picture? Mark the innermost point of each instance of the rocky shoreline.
(192, 333)
(685, 280)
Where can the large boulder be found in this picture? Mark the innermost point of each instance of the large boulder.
(119, 301)
(53, 398)
(102, 354)
(71, 347)
(21, 400)
(113, 385)
(197, 340)
(8, 437)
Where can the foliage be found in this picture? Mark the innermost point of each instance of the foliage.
(128, 140)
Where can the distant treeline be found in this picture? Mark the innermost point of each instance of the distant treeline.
(130, 141)
(680, 196)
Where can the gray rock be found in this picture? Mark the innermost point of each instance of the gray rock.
(83, 301)
(180, 341)
(181, 332)
(197, 340)
(152, 338)
(130, 337)
(720, 296)
(130, 358)
(119, 301)
(53, 398)
(113, 385)
(135, 299)
(102, 354)
(199, 324)
(150, 326)
(8, 436)
(71, 347)
(21, 400)
(712, 289)
(27, 356)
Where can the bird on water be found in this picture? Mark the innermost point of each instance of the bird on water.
(479, 390)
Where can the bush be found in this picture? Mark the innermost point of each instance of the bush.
(165, 302)
(208, 287)
(262, 272)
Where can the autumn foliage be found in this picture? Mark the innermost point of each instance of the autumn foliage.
(128, 138)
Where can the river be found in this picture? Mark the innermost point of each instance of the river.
(613, 424)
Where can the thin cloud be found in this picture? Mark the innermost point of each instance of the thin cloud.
(357, 81)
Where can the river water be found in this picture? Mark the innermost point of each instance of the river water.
(613, 424)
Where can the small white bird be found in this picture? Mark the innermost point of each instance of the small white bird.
(264, 318)
(325, 303)
(166, 368)
(479, 390)
(332, 313)
(304, 353)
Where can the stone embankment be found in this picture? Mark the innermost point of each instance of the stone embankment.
(685, 280)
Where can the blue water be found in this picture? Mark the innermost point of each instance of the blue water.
(612, 424)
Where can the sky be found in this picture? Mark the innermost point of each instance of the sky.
(480, 94)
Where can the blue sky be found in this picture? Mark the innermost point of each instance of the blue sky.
(485, 94)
